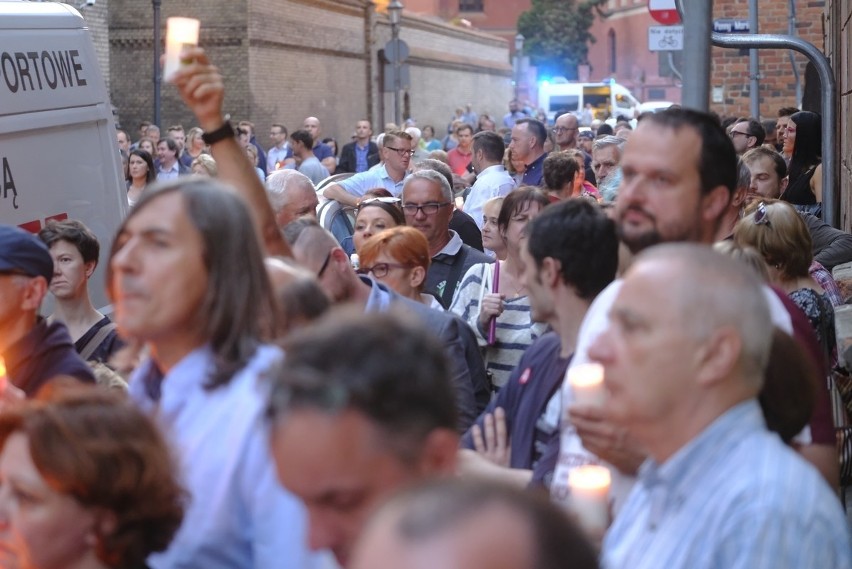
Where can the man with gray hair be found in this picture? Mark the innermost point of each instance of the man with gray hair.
(427, 201)
(292, 195)
(718, 488)
(606, 156)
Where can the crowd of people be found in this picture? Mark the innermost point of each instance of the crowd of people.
(372, 373)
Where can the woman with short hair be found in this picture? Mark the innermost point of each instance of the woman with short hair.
(86, 481)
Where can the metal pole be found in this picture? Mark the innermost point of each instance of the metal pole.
(157, 77)
(830, 193)
(397, 83)
(696, 52)
(753, 63)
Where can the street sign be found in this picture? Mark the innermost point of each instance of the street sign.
(389, 85)
(730, 26)
(664, 11)
(396, 51)
(665, 38)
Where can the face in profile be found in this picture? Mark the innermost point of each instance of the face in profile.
(40, 528)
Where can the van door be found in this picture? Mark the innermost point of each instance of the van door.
(57, 137)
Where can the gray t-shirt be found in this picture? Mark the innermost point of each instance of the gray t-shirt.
(313, 169)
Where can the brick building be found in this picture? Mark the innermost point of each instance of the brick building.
(838, 25)
(288, 59)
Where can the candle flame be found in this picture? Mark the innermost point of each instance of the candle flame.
(586, 374)
(589, 476)
(2, 367)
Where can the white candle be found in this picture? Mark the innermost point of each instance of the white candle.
(588, 499)
(4, 381)
(586, 382)
(180, 33)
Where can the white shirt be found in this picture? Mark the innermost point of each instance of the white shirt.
(492, 182)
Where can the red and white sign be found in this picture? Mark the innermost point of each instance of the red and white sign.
(664, 11)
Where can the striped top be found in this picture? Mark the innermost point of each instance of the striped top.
(515, 331)
(734, 497)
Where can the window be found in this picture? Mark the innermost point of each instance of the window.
(612, 51)
(471, 5)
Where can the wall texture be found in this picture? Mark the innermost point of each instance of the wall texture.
(287, 59)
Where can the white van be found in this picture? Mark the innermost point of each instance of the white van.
(558, 96)
(57, 136)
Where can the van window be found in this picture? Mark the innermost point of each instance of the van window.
(622, 102)
(563, 103)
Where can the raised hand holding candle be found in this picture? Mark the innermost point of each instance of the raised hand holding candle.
(180, 33)
(588, 499)
(586, 382)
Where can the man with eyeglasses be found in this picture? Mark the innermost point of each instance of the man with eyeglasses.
(747, 134)
(567, 130)
(427, 201)
(33, 349)
(396, 157)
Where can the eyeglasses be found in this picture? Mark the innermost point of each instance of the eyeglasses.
(561, 129)
(401, 151)
(324, 265)
(427, 208)
(381, 270)
(734, 133)
(761, 216)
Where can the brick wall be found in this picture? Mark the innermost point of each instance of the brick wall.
(777, 85)
(287, 59)
(98, 22)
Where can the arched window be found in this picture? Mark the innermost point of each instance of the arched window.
(612, 51)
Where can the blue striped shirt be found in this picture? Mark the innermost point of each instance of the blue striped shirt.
(734, 497)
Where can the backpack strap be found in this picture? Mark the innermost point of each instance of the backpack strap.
(96, 340)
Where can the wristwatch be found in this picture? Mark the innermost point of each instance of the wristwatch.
(220, 134)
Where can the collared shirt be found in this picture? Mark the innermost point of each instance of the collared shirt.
(360, 184)
(571, 450)
(276, 156)
(510, 118)
(170, 174)
(361, 154)
(534, 173)
(238, 515)
(733, 497)
(492, 182)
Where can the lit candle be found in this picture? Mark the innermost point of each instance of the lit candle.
(4, 381)
(586, 382)
(588, 499)
(180, 33)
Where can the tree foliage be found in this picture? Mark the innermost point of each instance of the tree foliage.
(556, 34)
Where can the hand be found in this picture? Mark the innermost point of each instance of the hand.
(605, 440)
(491, 306)
(201, 87)
(494, 446)
(10, 395)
